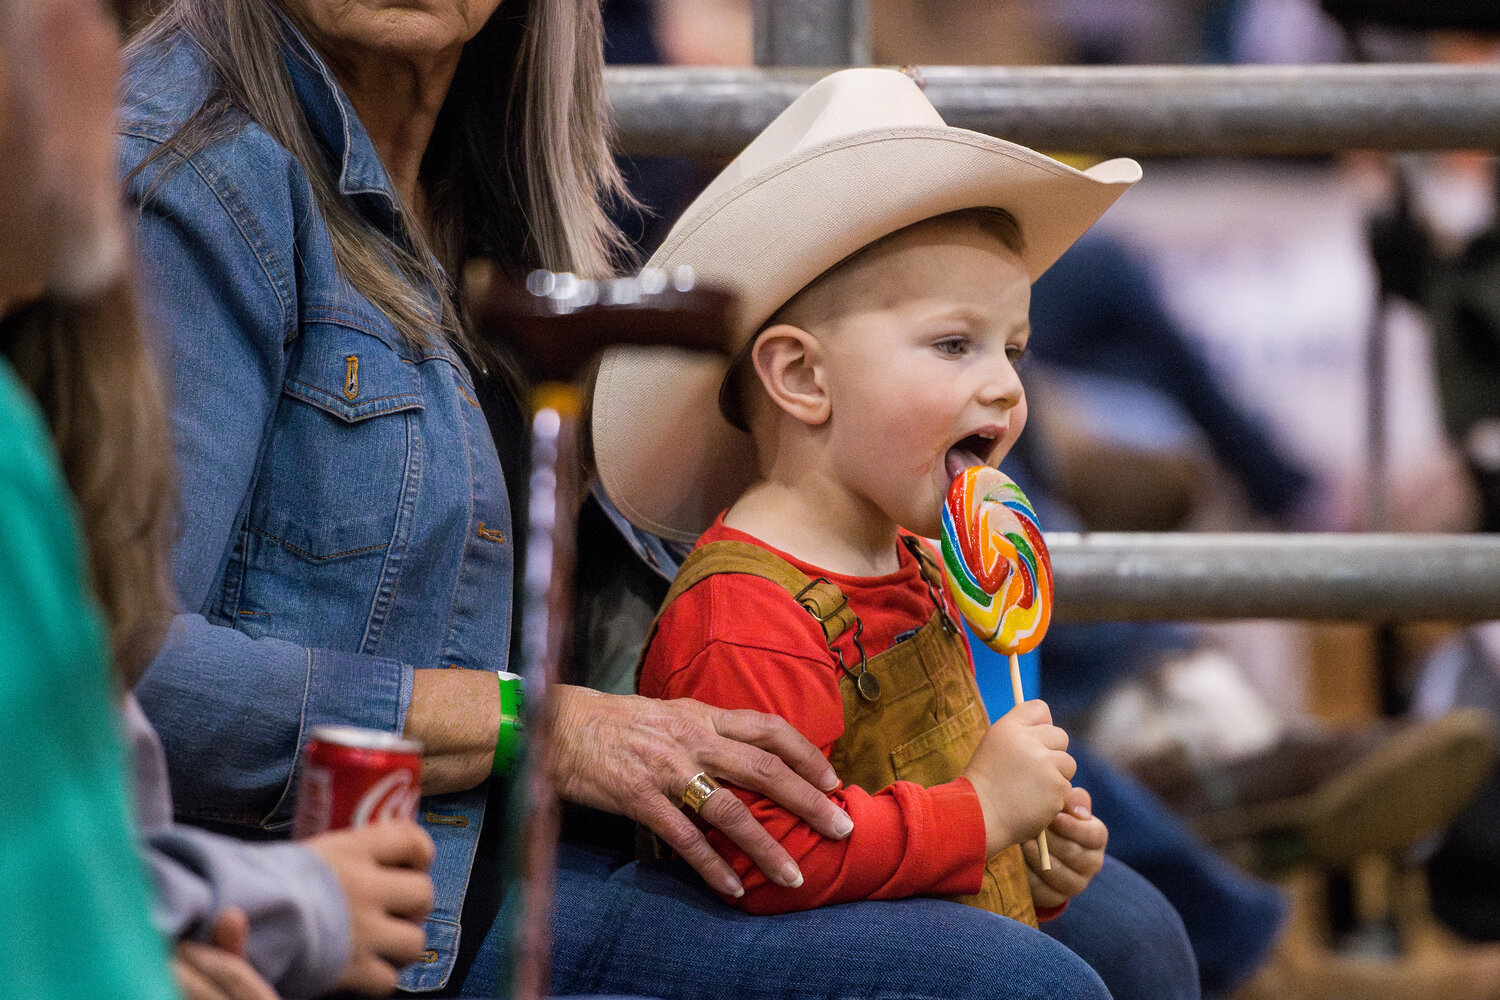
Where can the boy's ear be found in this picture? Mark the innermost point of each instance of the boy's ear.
(788, 361)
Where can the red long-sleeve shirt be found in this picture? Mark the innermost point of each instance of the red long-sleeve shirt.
(739, 641)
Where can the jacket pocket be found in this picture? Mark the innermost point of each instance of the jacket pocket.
(343, 458)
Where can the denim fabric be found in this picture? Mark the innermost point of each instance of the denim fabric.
(653, 928)
(1131, 934)
(344, 514)
(1231, 919)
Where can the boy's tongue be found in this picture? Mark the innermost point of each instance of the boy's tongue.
(958, 459)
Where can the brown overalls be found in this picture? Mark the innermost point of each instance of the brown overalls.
(911, 713)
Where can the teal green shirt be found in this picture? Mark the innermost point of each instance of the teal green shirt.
(73, 892)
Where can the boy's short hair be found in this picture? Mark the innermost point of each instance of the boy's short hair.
(741, 380)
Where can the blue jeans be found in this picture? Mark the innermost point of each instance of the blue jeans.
(1231, 918)
(652, 928)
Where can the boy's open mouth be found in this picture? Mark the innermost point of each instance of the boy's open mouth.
(971, 451)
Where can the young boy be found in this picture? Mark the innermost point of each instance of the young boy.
(882, 263)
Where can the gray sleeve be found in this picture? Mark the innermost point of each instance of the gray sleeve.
(299, 921)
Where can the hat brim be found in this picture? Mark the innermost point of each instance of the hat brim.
(666, 456)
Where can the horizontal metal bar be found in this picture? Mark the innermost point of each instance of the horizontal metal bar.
(1182, 577)
(1130, 110)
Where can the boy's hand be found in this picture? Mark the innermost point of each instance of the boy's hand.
(383, 869)
(218, 970)
(1021, 772)
(1076, 839)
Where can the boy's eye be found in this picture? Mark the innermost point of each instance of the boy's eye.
(1016, 353)
(953, 346)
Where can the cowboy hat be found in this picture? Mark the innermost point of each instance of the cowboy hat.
(861, 154)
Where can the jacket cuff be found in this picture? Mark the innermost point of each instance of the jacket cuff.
(343, 689)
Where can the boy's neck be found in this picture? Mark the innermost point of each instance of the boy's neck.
(817, 527)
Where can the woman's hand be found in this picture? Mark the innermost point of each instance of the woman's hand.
(1075, 840)
(218, 970)
(635, 756)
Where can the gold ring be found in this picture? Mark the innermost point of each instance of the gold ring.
(699, 787)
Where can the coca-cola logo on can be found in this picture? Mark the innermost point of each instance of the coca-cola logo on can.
(392, 797)
(355, 777)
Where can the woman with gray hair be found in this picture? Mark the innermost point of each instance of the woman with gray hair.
(310, 177)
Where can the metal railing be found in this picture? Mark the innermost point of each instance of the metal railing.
(1129, 110)
(1369, 577)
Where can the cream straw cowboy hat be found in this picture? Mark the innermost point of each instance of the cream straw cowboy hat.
(858, 156)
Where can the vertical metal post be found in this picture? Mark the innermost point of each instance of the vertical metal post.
(1377, 406)
(812, 32)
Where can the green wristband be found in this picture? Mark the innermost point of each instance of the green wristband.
(512, 706)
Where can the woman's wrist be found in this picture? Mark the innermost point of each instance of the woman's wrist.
(456, 715)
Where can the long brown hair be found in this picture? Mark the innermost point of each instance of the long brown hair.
(518, 168)
(93, 373)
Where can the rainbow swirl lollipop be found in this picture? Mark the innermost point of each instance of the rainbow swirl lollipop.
(998, 571)
(997, 566)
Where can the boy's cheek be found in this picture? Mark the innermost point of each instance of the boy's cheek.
(1014, 427)
(1018, 416)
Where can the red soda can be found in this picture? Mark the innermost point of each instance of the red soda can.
(355, 777)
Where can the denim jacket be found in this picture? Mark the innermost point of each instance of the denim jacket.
(344, 515)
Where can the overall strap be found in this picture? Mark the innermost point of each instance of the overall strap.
(820, 598)
(932, 571)
(824, 601)
(932, 575)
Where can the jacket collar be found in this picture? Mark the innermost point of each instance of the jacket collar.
(337, 128)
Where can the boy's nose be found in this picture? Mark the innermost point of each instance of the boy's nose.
(1002, 387)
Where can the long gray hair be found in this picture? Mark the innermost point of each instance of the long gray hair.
(518, 168)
